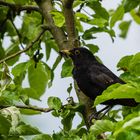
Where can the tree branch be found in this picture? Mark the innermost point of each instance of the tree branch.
(58, 33)
(20, 7)
(35, 108)
(26, 49)
(70, 23)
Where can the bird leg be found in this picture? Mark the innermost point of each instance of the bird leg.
(98, 115)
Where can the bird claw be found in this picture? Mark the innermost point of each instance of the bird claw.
(99, 115)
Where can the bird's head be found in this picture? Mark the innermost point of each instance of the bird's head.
(78, 55)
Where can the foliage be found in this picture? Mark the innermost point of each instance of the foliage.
(119, 124)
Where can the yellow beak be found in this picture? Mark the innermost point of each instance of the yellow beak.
(65, 52)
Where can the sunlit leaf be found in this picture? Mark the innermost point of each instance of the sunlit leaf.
(118, 91)
(54, 103)
(58, 17)
(118, 15)
(134, 66)
(67, 68)
(136, 16)
(38, 78)
(42, 137)
(101, 126)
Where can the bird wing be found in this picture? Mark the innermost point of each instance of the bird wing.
(101, 76)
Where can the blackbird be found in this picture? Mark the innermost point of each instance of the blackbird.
(93, 77)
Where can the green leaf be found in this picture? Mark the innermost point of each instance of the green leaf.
(29, 112)
(19, 69)
(54, 103)
(69, 88)
(13, 138)
(126, 135)
(98, 9)
(38, 78)
(81, 17)
(67, 121)
(30, 92)
(79, 26)
(30, 26)
(130, 4)
(129, 77)
(100, 22)
(118, 15)
(5, 77)
(10, 28)
(124, 62)
(42, 137)
(124, 27)
(50, 44)
(93, 48)
(88, 34)
(4, 125)
(67, 68)
(118, 91)
(136, 16)
(26, 130)
(11, 50)
(134, 66)
(58, 18)
(2, 52)
(57, 61)
(21, 2)
(101, 126)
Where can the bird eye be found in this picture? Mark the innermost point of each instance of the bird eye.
(77, 52)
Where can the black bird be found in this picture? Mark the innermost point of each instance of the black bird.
(93, 77)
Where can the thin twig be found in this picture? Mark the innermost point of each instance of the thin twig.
(24, 50)
(18, 34)
(70, 23)
(20, 7)
(35, 108)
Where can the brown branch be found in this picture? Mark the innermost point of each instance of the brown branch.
(35, 108)
(18, 34)
(24, 50)
(70, 23)
(60, 38)
(19, 7)
(58, 34)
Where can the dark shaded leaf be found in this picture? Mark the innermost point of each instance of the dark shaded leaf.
(93, 48)
(4, 125)
(124, 27)
(98, 9)
(130, 4)
(11, 50)
(57, 61)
